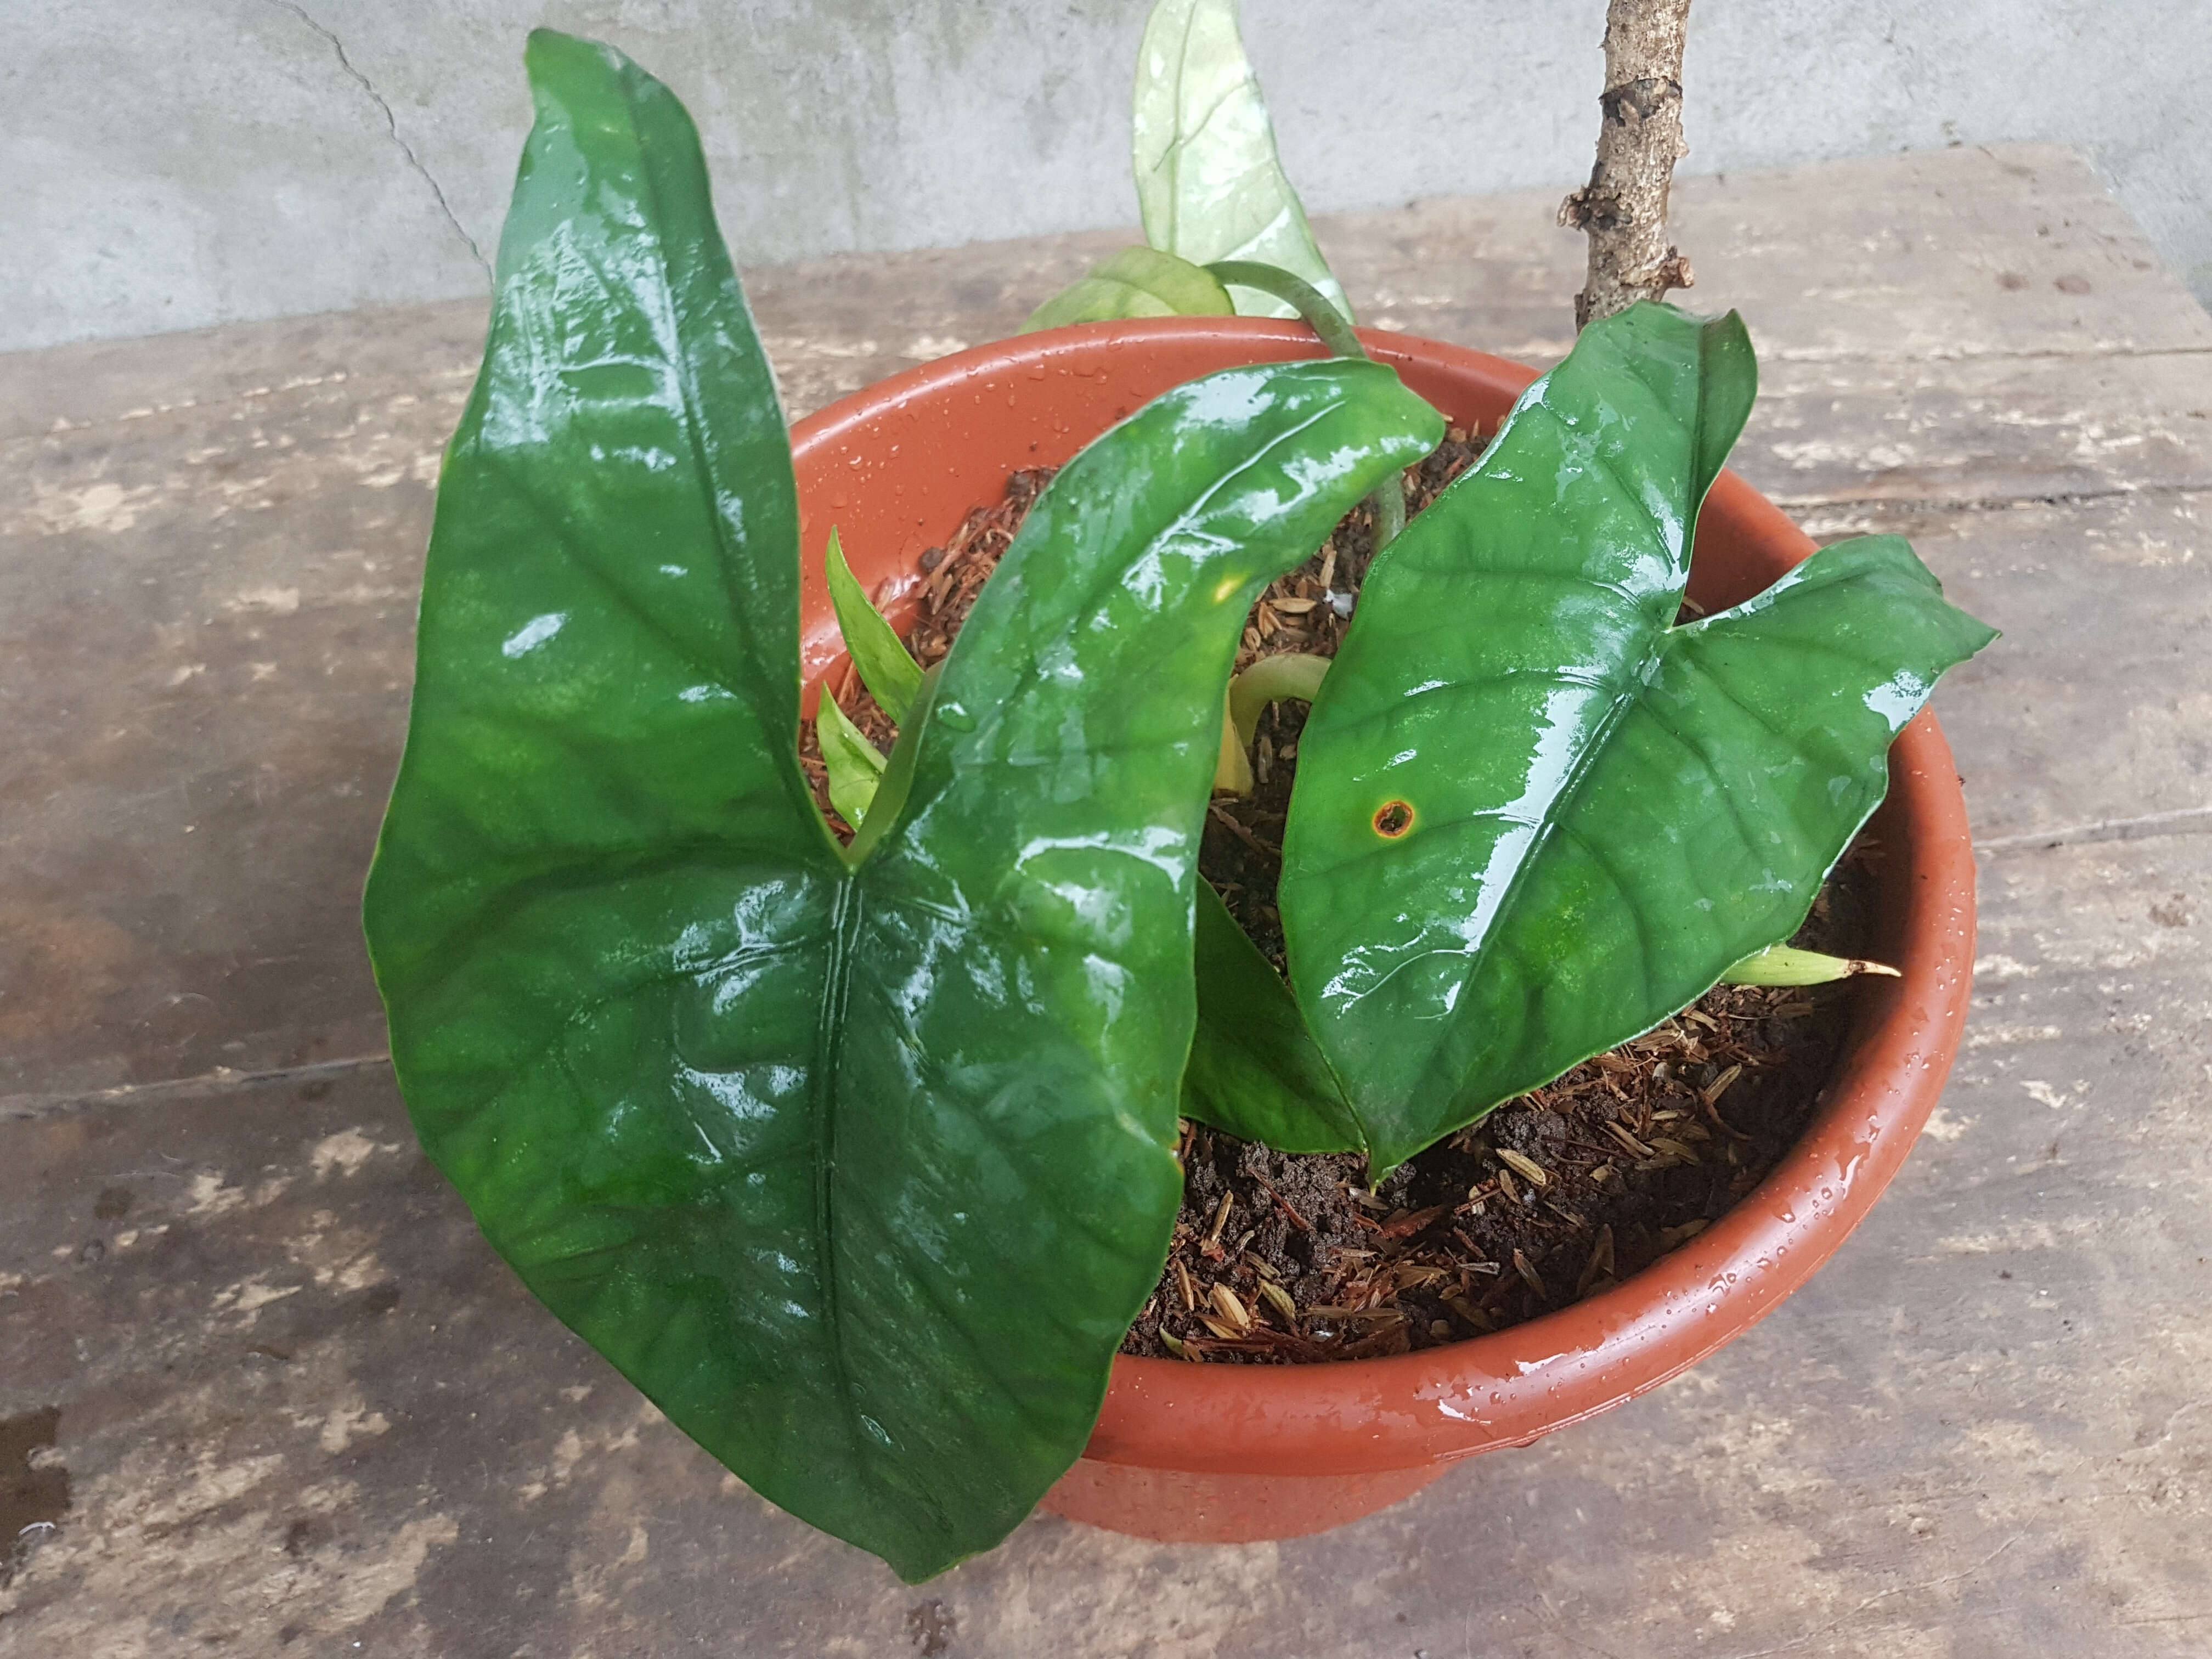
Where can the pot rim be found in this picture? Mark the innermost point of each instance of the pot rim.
(1512, 1386)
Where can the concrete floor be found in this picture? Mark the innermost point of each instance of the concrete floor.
(262, 1389)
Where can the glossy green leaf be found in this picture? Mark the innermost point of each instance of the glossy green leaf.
(1255, 1070)
(858, 1166)
(1138, 282)
(1784, 964)
(1334, 324)
(855, 765)
(886, 668)
(1209, 184)
(1532, 816)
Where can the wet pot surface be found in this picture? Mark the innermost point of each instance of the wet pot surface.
(1225, 1454)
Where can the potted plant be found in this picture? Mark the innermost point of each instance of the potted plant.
(860, 1159)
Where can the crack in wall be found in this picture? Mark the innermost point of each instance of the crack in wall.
(391, 126)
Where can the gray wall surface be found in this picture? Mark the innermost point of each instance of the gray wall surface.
(171, 164)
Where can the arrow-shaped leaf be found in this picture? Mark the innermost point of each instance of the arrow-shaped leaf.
(858, 1166)
(1209, 184)
(1533, 818)
(886, 668)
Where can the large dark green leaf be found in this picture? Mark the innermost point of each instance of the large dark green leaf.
(1209, 184)
(1533, 818)
(858, 1166)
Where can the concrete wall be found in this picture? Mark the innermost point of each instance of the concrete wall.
(169, 164)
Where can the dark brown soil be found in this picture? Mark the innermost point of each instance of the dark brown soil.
(1553, 1196)
(1278, 1257)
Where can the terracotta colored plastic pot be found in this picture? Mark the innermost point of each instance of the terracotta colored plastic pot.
(1230, 1453)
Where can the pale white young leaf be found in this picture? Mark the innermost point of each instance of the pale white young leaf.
(1210, 185)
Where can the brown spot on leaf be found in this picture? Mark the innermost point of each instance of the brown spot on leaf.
(1393, 819)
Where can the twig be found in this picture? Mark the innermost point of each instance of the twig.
(1284, 1205)
(1273, 854)
(1623, 208)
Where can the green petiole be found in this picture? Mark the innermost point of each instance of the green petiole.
(1271, 679)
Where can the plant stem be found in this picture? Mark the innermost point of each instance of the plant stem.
(1390, 504)
(1271, 679)
(1288, 674)
(1335, 330)
(1623, 208)
(1233, 770)
(1313, 306)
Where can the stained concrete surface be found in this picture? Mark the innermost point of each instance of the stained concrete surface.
(296, 1406)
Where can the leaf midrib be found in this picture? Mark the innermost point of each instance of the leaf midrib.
(1173, 154)
(846, 912)
(846, 905)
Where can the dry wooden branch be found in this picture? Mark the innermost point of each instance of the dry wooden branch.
(1623, 208)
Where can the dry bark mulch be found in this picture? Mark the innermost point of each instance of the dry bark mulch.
(1554, 1196)
(1283, 1258)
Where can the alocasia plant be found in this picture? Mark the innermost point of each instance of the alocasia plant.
(858, 1162)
